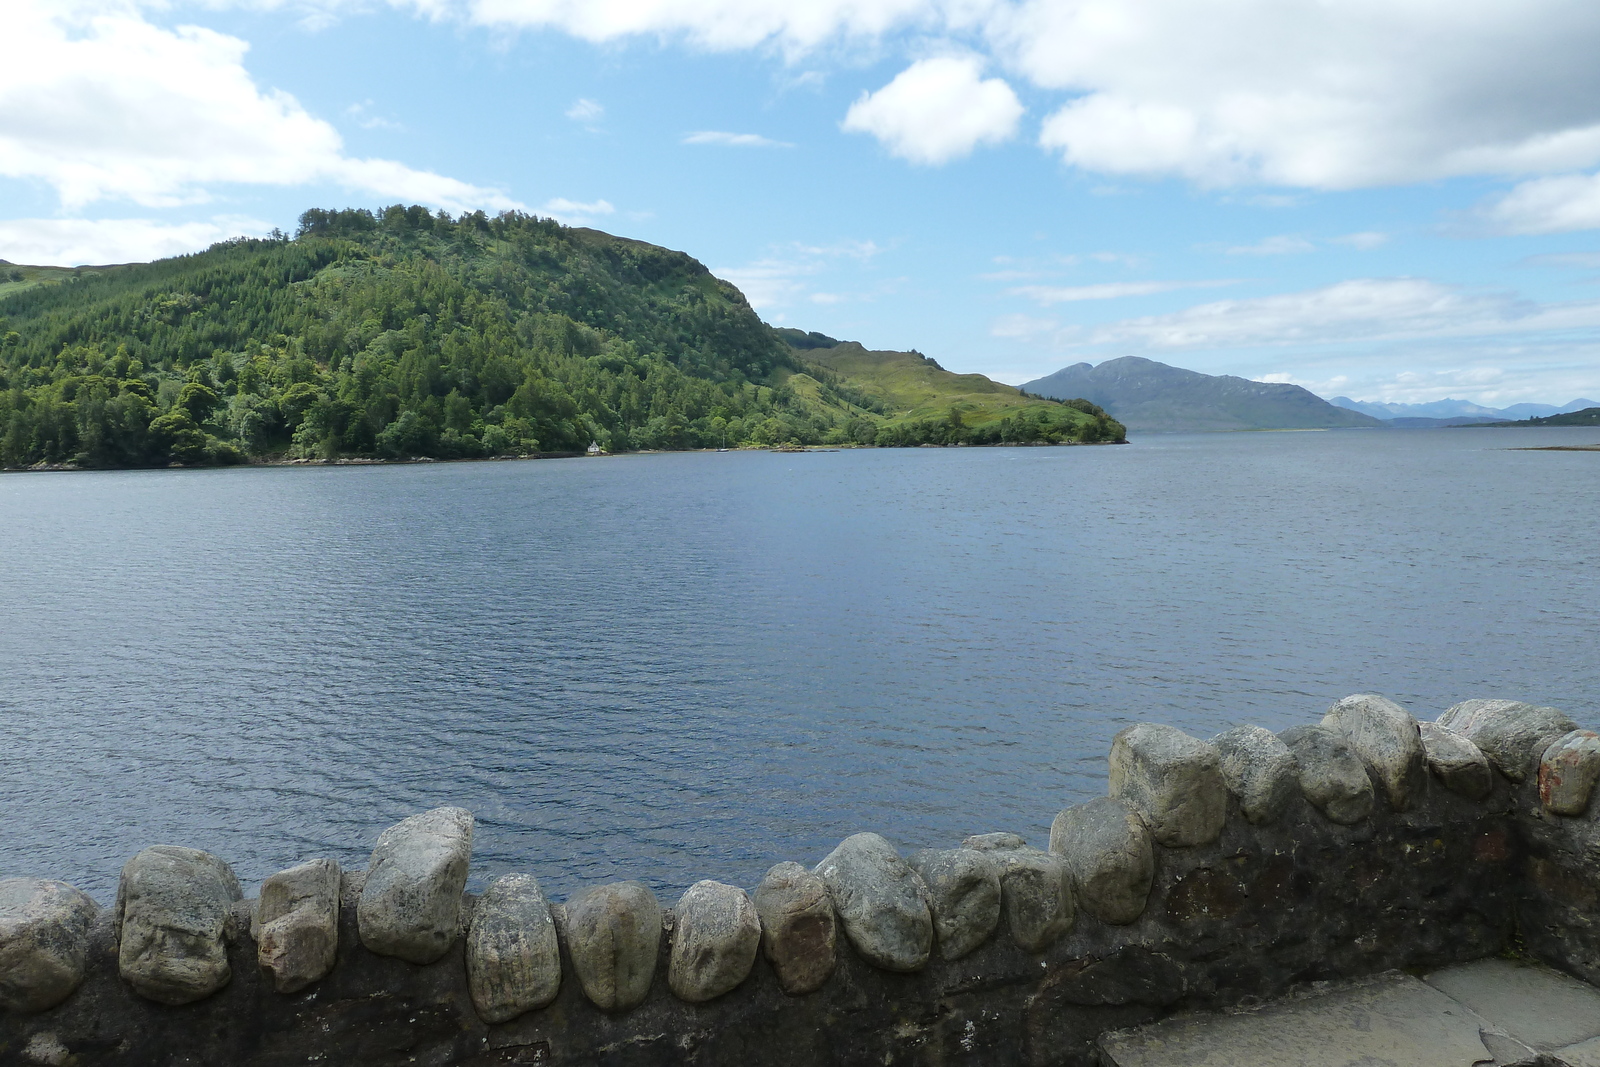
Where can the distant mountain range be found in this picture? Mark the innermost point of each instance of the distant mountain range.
(1146, 395)
(1456, 412)
(1153, 397)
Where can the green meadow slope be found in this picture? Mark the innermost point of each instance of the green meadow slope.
(15, 278)
(402, 333)
(919, 401)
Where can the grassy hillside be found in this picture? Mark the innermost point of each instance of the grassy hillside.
(403, 333)
(919, 401)
(15, 278)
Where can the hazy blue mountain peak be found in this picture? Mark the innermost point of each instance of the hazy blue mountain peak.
(1146, 395)
(1456, 409)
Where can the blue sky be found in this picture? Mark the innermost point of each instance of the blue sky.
(1392, 201)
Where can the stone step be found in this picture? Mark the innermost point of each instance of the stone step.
(1489, 1012)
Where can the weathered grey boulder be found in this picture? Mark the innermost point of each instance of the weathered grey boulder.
(1174, 780)
(1259, 770)
(1386, 739)
(1512, 734)
(964, 893)
(1109, 853)
(989, 842)
(881, 901)
(1036, 896)
(174, 914)
(799, 933)
(44, 940)
(1458, 763)
(714, 942)
(513, 954)
(410, 906)
(1332, 777)
(1567, 772)
(296, 924)
(613, 935)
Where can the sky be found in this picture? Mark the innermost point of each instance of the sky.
(1393, 200)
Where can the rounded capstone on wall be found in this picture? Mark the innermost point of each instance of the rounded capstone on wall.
(799, 931)
(513, 955)
(613, 934)
(881, 902)
(410, 904)
(715, 938)
(1173, 780)
(964, 895)
(44, 942)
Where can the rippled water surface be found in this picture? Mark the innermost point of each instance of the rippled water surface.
(682, 666)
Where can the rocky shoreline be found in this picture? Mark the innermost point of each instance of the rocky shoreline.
(1210, 873)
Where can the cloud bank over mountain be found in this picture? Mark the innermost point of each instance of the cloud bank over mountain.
(1288, 93)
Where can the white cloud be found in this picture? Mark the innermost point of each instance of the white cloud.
(769, 284)
(1031, 267)
(1366, 309)
(362, 114)
(787, 276)
(714, 24)
(1124, 258)
(1022, 327)
(1285, 244)
(1490, 375)
(101, 104)
(937, 110)
(1548, 205)
(1309, 94)
(1065, 294)
(734, 140)
(1294, 93)
(586, 110)
(576, 212)
(1365, 240)
(75, 242)
(1569, 260)
(861, 251)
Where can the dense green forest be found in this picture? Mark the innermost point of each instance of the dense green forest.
(405, 333)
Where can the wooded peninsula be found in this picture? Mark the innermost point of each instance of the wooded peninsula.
(404, 333)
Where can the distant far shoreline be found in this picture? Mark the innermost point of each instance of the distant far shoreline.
(369, 461)
(1556, 448)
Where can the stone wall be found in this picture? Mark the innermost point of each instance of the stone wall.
(1213, 873)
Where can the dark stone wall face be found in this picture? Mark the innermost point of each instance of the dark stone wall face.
(1264, 909)
(1558, 908)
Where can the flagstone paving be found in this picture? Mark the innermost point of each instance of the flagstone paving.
(1489, 1012)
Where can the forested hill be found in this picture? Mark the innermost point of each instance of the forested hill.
(401, 333)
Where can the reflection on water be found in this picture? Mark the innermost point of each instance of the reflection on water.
(682, 666)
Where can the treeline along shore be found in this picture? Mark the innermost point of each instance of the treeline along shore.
(404, 333)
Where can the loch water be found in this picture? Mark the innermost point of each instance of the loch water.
(682, 666)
